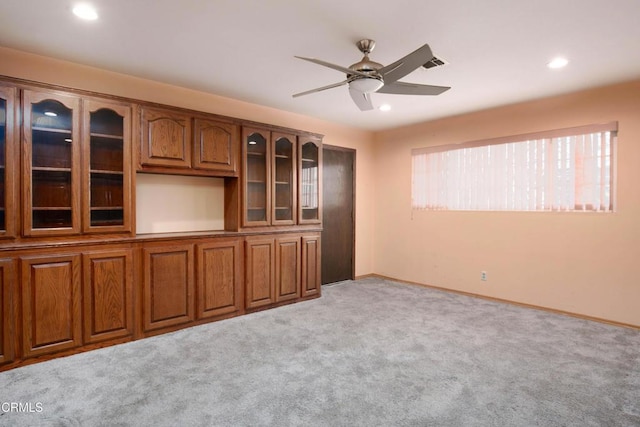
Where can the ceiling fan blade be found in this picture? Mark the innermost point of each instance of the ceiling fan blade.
(335, 67)
(394, 72)
(362, 100)
(331, 86)
(401, 88)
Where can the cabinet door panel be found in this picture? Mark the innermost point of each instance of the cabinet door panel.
(7, 313)
(51, 164)
(260, 272)
(8, 182)
(311, 266)
(106, 166)
(219, 279)
(215, 145)
(287, 268)
(309, 180)
(166, 139)
(51, 315)
(168, 286)
(256, 176)
(108, 297)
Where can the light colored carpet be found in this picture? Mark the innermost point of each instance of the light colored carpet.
(368, 353)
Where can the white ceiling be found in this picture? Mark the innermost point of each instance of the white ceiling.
(497, 49)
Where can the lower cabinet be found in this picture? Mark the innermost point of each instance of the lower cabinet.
(7, 313)
(60, 301)
(168, 284)
(51, 313)
(219, 278)
(107, 294)
(282, 267)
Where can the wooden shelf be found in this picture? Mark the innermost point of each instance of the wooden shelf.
(106, 172)
(48, 169)
(255, 154)
(283, 182)
(254, 181)
(116, 138)
(51, 130)
(106, 208)
(309, 160)
(51, 208)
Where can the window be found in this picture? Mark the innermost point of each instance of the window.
(562, 170)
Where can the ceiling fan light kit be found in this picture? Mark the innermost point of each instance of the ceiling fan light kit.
(366, 76)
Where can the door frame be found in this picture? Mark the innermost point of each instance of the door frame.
(353, 201)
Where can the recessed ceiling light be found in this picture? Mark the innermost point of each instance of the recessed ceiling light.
(50, 114)
(385, 107)
(558, 62)
(85, 11)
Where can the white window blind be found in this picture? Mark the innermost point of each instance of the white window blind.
(562, 170)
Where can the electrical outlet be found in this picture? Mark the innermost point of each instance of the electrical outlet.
(483, 276)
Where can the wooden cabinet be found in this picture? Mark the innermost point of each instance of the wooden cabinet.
(215, 146)
(168, 284)
(219, 278)
(311, 266)
(269, 178)
(51, 313)
(107, 294)
(7, 312)
(310, 180)
(106, 166)
(166, 138)
(51, 163)
(175, 141)
(60, 194)
(281, 267)
(8, 159)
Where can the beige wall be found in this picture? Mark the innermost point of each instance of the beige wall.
(38, 68)
(584, 263)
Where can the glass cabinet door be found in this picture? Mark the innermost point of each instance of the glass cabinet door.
(284, 177)
(257, 197)
(107, 137)
(7, 180)
(51, 164)
(310, 179)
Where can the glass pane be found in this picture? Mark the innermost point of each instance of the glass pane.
(284, 179)
(51, 164)
(107, 168)
(309, 182)
(256, 178)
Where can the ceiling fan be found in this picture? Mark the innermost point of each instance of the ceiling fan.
(366, 77)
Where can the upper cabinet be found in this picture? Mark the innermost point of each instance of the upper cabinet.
(76, 164)
(51, 164)
(107, 166)
(8, 156)
(281, 178)
(215, 145)
(166, 138)
(174, 141)
(310, 180)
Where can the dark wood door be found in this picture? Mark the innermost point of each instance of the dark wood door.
(215, 145)
(338, 214)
